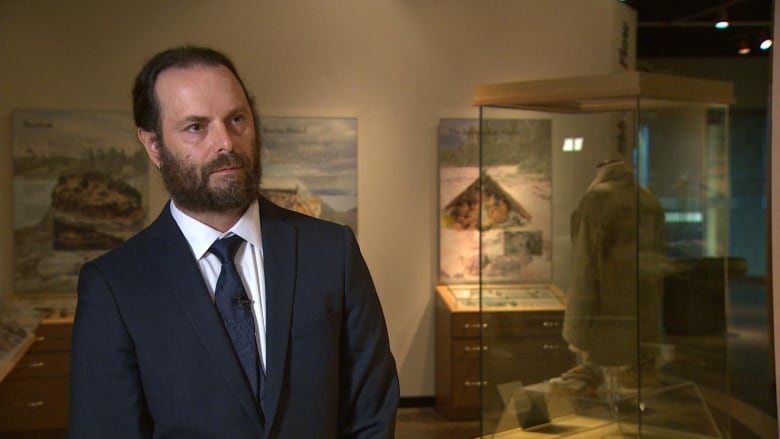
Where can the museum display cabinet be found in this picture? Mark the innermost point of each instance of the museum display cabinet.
(524, 321)
(34, 373)
(602, 264)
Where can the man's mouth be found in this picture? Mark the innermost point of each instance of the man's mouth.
(227, 169)
(226, 165)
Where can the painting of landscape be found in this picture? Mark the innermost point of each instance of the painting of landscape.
(80, 188)
(310, 166)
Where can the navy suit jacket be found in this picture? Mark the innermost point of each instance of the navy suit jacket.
(151, 358)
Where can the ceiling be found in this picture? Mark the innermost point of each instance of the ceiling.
(684, 28)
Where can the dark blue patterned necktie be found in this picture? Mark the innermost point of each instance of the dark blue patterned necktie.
(236, 310)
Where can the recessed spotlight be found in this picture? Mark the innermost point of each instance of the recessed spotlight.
(723, 20)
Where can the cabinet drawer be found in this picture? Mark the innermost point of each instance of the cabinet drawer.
(28, 404)
(41, 364)
(52, 337)
(466, 384)
(467, 349)
(466, 325)
(466, 373)
(522, 324)
(528, 348)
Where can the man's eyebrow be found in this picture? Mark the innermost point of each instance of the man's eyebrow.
(192, 119)
(238, 109)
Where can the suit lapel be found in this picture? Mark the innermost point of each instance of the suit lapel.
(279, 259)
(180, 274)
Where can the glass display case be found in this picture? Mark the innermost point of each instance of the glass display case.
(612, 193)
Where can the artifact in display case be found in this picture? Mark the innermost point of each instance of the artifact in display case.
(526, 297)
(637, 173)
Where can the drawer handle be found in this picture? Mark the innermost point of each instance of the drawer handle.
(475, 348)
(551, 324)
(40, 338)
(35, 365)
(551, 347)
(475, 383)
(475, 325)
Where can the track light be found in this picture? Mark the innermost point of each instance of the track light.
(765, 43)
(723, 21)
(744, 48)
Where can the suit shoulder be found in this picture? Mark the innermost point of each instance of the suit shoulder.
(134, 247)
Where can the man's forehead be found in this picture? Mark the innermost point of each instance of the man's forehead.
(186, 84)
(194, 72)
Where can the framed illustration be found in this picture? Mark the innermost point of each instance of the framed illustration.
(495, 222)
(80, 188)
(310, 166)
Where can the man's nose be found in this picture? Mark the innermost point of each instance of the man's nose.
(222, 138)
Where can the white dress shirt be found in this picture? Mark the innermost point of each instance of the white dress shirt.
(249, 259)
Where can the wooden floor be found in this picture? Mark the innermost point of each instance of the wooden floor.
(426, 423)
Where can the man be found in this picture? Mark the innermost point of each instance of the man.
(152, 356)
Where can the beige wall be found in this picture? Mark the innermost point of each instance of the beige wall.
(398, 66)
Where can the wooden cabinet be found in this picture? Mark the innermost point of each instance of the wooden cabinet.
(479, 350)
(458, 349)
(34, 394)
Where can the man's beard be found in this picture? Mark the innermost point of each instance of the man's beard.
(188, 184)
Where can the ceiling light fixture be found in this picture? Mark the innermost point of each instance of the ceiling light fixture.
(723, 21)
(765, 43)
(743, 49)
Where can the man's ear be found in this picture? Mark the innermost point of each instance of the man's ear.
(151, 145)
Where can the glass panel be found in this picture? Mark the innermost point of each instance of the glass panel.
(603, 268)
(687, 158)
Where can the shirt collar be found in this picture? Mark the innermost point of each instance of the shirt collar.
(200, 236)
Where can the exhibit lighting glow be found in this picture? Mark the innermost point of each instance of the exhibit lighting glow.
(743, 49)
(766, 43)
(571, 144)
(722, 24)
(684, 217)
(723, 21)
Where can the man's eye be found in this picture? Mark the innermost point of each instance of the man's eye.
(194, 128)
(238, 119)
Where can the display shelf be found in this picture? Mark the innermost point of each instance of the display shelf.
(670, 412)
(9, 357)
(504, 297)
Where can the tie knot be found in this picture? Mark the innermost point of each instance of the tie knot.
(225, 248)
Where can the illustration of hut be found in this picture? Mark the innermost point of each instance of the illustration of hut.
(484, 204)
